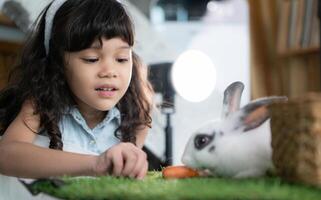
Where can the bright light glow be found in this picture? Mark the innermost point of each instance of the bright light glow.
(194, 75)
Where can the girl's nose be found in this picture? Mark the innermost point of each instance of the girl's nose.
(107, 71)
(109, 74)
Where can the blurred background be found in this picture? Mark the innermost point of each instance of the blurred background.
(194, 49)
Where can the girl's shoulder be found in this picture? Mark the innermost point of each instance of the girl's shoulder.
(29, 116)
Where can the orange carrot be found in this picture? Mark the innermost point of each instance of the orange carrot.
(176, 172)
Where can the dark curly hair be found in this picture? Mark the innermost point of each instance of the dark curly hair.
(41, 78)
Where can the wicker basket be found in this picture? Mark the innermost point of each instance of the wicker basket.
(296, 139)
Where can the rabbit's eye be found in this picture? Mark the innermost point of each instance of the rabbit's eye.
(201, 141)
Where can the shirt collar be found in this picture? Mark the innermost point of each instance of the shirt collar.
(113, 113)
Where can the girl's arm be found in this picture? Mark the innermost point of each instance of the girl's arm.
(20, 157)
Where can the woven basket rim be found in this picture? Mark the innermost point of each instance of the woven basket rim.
(308, 97)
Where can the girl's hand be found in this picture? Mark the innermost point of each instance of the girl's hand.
(123, 159)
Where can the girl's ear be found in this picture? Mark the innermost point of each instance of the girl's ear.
(256, 112)
(232, 98)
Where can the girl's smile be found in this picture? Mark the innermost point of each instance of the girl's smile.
(106, 90)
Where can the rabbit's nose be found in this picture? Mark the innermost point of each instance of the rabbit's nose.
(186, 160)
(201, 141)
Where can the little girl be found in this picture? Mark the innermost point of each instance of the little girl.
(80, 90)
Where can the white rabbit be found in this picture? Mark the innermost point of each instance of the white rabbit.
(238, 145)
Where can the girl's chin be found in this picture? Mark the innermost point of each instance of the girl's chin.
(104, 107)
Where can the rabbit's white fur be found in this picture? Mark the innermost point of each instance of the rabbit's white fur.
(235, 155)
(233, 151)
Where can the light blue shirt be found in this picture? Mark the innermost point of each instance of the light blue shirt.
(79, 138)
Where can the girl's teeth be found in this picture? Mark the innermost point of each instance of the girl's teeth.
(105, 89)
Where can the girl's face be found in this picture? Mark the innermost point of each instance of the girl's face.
(100, 75)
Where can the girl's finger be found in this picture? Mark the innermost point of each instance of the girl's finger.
(143, 171)
(130, 159)
(139, 165)
(117, 163)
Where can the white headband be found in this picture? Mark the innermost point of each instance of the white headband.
(51, 12)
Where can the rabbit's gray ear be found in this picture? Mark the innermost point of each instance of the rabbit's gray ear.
(232, 98)
(255, 113)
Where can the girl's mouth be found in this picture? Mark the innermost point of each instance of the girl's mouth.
(106, 92)
(105, 89)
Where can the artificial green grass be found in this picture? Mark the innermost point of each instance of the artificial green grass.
(155, 187)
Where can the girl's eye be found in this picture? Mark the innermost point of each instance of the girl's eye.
(122, 60)
(90, 60)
